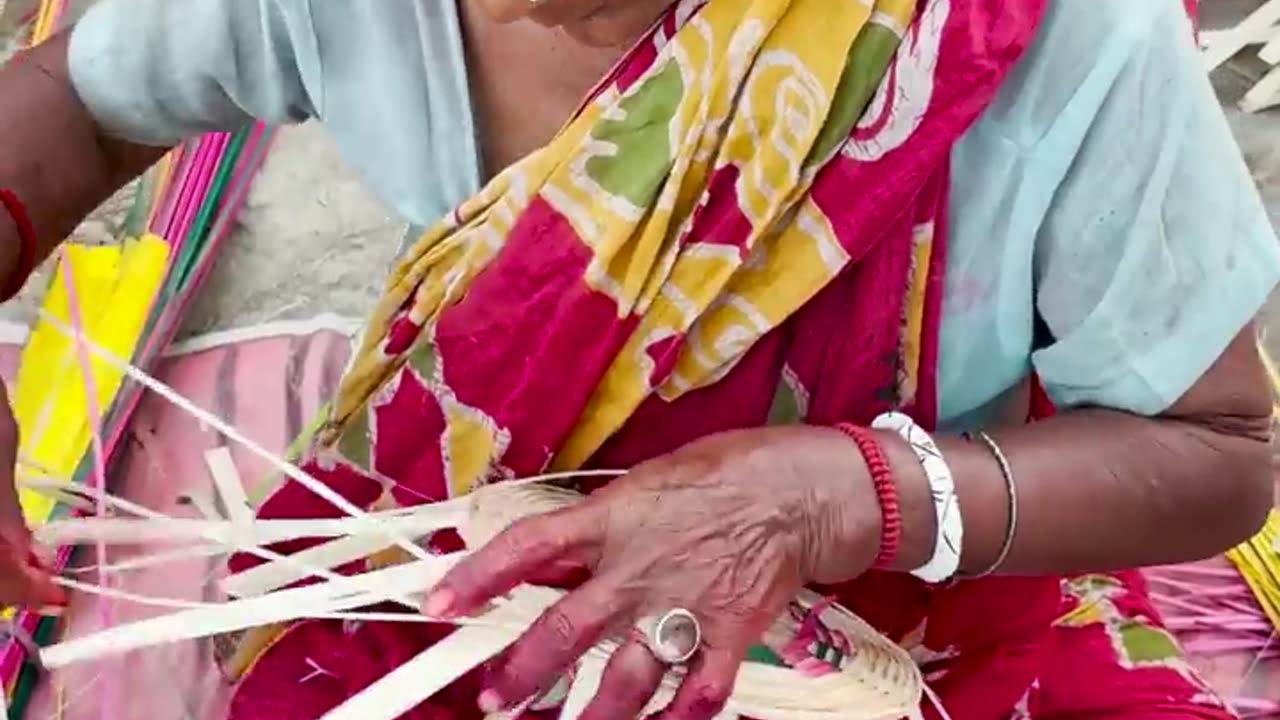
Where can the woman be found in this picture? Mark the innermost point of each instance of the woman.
(742, 251)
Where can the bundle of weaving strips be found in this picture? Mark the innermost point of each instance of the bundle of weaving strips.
(818, 660)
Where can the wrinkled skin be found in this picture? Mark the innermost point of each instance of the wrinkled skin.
(729, 527)
(595, 22)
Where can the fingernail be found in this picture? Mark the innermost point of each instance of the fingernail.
(439, 604)
(489, 701)
(52, 610)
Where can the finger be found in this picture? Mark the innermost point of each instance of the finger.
(25, 583)
(554, 642)
(563, 574)
(517, 554)
(707, 687)
(630, 679)
(40, 592)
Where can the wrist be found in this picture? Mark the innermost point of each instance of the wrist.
(982, 499)
(21, 244)
(845, 522)
(915, 503)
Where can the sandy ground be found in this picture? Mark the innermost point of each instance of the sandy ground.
(312, 240)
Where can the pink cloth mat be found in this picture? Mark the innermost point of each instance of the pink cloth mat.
(270, 389)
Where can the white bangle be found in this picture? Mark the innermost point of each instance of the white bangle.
(942, 488)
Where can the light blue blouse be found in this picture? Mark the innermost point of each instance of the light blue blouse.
(1102, 190)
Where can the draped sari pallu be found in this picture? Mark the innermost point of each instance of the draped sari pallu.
(744, 224)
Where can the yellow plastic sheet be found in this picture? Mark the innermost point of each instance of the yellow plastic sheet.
(116, 287)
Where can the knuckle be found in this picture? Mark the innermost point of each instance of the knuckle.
(560, 630)
(535, 536)
(516, 680)
(708, 697)
(508, 546)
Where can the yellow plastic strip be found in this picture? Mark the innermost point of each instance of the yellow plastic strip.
(1258, 560)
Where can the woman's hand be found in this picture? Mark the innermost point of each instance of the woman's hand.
(595, 22)
(729, 527)
(23, 580)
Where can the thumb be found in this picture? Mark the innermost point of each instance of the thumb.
(27, 582)
(10, 510)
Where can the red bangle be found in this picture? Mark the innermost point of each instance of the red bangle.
(886, 492)
(27, 248)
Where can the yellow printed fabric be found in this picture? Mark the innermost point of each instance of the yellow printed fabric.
(740, 225)
(672, 220)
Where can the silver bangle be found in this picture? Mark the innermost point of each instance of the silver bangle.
(1012, 528)
(949, 539)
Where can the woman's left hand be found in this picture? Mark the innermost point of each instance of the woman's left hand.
(729, 528)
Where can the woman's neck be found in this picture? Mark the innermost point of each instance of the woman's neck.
(526, 81)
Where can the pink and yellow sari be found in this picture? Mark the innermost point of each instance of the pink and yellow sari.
(744, 224)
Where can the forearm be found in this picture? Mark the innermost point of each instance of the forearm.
(54, 157)
(1097, 490)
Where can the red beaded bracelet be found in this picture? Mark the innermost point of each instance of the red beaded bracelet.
(886, 491)
(27, 249)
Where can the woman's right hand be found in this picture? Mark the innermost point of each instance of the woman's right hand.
(24, 581)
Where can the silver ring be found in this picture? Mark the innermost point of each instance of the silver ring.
(673, 637)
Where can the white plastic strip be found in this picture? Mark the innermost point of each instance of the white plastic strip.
(1264, 94)
(327, 322)
(586, 683)
(124, 531)
(1229, 42)
(438, 513)
(226, 478)
(237, 615)
(432, 670)
(12, 333)
(1270, 52)
(267, 577)
(142, 562)
(176, 604)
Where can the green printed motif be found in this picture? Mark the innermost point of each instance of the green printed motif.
(643, 157)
